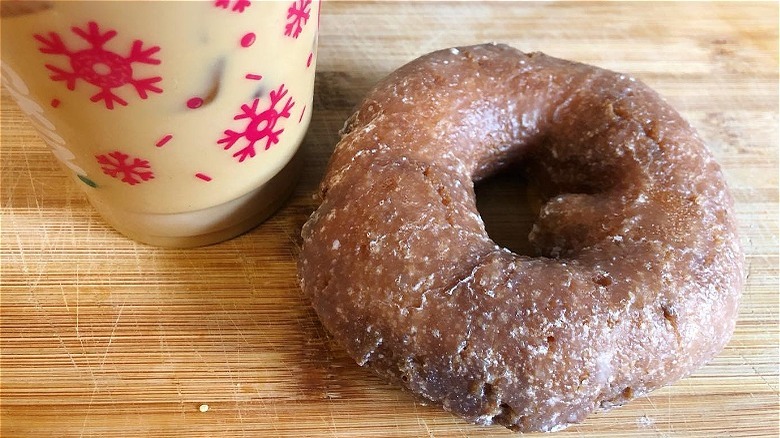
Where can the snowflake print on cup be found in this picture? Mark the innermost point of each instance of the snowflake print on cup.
(261, 124)
(99, 66)
(297, 16)
(116, 164)
(238, 5)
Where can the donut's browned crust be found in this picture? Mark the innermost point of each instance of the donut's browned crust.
(639, 270)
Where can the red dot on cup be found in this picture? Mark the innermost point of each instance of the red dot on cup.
(248, 39)
(195, 102)
(55, 103)
(203, 176)
(308, 61)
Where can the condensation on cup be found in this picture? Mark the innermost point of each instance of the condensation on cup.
(180, 120)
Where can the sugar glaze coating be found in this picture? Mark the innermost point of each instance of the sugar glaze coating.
(639, 271)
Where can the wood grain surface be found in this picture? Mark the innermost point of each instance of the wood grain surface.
(101, 336)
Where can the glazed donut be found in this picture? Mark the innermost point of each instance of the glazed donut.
(639, 269)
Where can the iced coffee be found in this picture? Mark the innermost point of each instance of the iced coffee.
(180, 120)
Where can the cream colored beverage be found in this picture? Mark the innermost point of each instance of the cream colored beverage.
(179, 119)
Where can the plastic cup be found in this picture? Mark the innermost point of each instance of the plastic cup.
(179, 119)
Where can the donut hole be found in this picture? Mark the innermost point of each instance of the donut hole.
(506, 203)
(574, 168)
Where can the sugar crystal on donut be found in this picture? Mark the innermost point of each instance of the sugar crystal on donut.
(638, 271)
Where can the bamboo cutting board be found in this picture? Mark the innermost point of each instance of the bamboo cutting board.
(101, 336)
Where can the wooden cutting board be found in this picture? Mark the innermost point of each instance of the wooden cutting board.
(101, 336)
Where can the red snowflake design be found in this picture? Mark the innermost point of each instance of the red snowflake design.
(261, 124)
(297, 16)
(238, 6)
(100, 67)
(116, 164)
